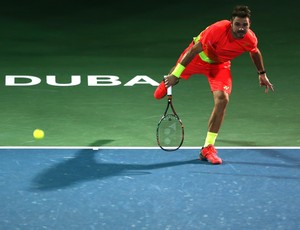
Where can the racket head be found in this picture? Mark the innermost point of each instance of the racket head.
(170, 132)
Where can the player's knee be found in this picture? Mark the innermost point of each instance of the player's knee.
(221, 98)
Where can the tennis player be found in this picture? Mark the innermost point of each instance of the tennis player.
(210, 54)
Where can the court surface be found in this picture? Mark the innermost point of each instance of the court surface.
(43, 40)
(149, 189)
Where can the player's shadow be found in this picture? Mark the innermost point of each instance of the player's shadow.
(84, 167)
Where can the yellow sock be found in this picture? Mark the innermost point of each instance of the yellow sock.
(210, 138)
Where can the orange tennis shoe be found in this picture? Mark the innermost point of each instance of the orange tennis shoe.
(209, 153)
(161, 91)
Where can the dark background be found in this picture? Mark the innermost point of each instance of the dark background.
(130, 38)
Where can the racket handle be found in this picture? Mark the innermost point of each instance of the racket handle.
(169, 91)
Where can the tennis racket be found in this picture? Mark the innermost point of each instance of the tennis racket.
(170, 130)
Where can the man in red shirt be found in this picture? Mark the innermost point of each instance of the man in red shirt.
(210, 53)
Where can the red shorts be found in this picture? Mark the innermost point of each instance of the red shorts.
(218, 75)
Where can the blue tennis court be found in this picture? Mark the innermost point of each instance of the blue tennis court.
(147, 188)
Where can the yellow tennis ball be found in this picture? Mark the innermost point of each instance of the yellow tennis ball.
(38, 134)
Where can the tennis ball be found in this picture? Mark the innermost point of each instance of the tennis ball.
(38, 134)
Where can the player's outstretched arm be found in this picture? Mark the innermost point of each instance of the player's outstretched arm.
(173, 77)
(262, 76)
(264, 81)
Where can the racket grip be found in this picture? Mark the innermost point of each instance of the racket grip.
(169, 91)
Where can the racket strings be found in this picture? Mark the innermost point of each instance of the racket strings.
(170, 132)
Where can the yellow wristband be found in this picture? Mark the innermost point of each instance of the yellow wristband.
(178, 70)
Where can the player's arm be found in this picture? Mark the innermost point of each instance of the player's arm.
(262, 76)
(173, 77)
(196, 49)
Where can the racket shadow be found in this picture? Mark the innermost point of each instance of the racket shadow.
(84, 167)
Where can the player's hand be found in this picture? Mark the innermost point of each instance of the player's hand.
(264, 81)
(170, 80)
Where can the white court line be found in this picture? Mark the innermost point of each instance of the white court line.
(144, 147)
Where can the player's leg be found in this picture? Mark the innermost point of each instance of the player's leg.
(221, 100)
(220, 83)
(209, 152)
